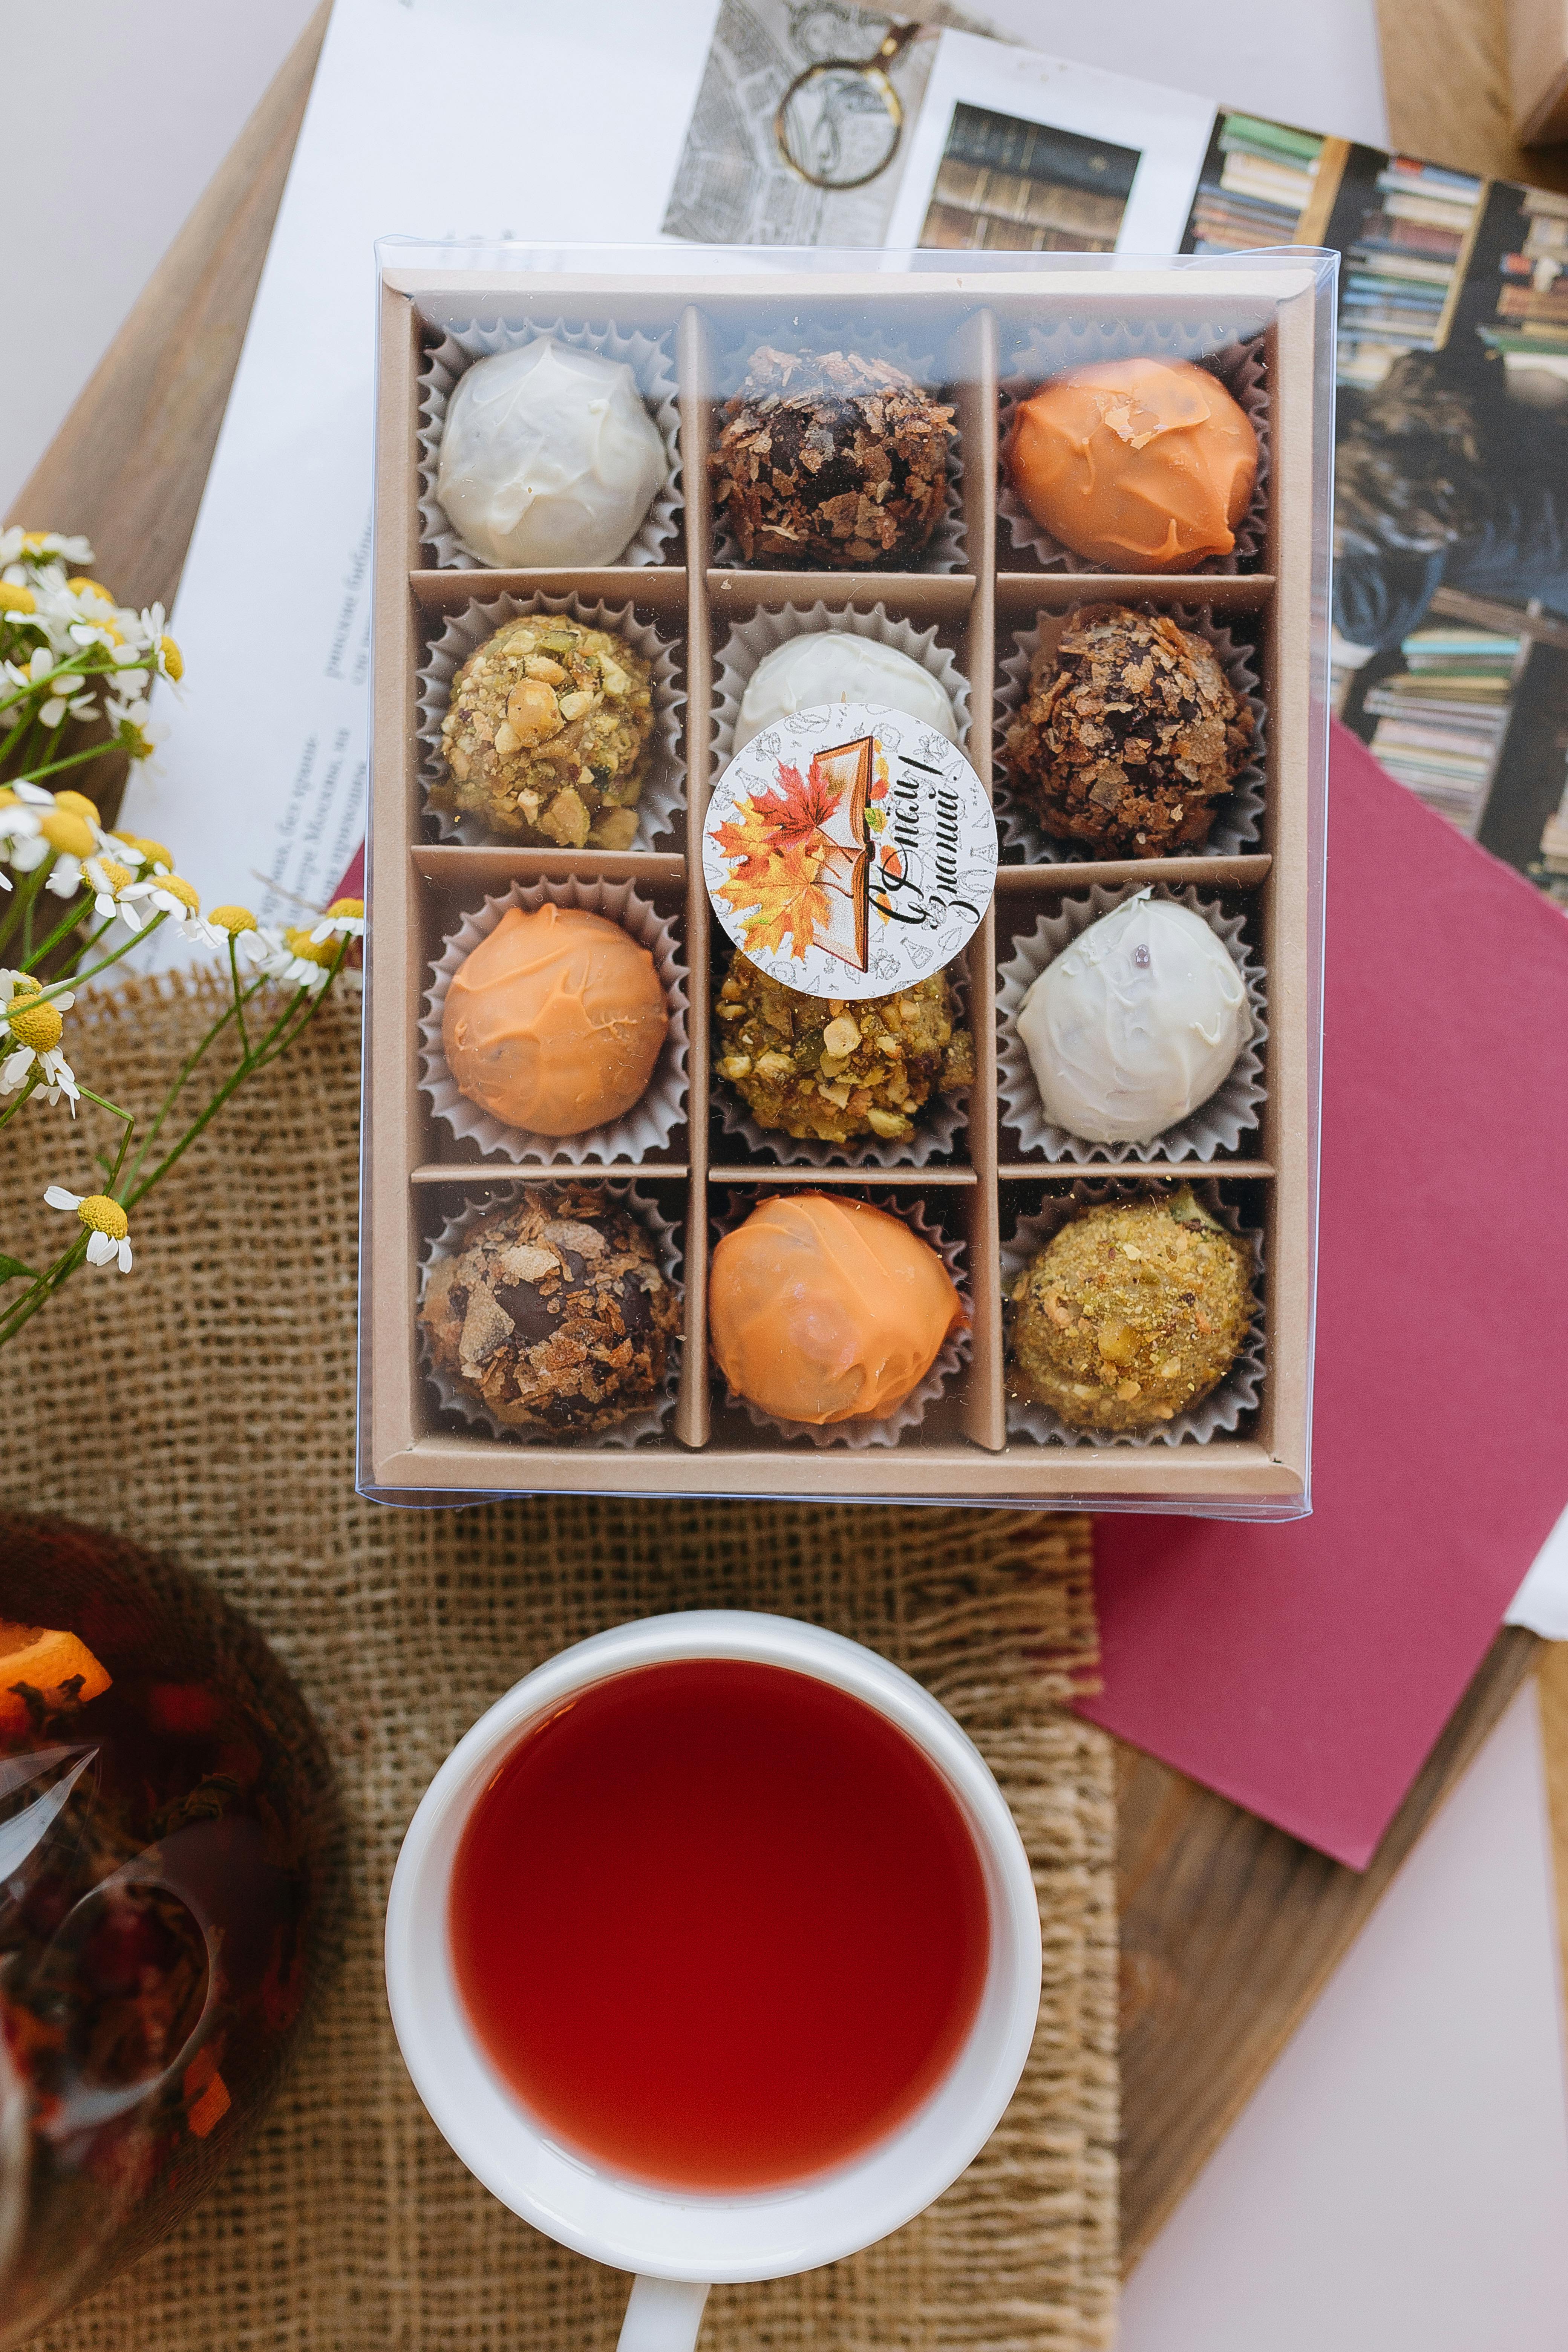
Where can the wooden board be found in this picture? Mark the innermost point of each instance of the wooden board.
(1230, 1928)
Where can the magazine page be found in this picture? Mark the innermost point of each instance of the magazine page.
(1451, 497)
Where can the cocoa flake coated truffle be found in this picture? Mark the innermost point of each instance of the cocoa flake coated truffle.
(1129, 736)
(831, 462)
(554, 1314)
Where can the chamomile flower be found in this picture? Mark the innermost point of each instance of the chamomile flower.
(115, 889)
(345, 920)
(42, 546)
(108, 1227)
(238, 925)
(16, 599)
(135, 849)
(34, 1032)
(19, 817)
(132, 720)
(175, 896)
(302, 961)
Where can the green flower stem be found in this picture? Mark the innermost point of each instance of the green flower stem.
(129, 1118)
(68, 922)
(13, 1317)
(78, 978)
(186, 1071)
(75, 759)
(22, 895)
(231, 1084)
(9, 1113)
(88, 664)
(240, 995)
(18, 732)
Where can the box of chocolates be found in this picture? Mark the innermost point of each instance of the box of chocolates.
(846, 877)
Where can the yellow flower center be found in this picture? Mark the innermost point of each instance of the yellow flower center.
(70, 834)
(310, 950)
(76, 804)
(14, 598)
(347, 907)
(176, 888)
(82, 586)
(234, 919)
(104, 1216)
(38, 1025)
(114, 876)
(36, 541)
(174, 659)
(153, 851)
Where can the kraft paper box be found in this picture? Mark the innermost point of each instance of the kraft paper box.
(687, 318)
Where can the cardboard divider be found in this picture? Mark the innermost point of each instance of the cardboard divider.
(413, 1163)
(694, 352)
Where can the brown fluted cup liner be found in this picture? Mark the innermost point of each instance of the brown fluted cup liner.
(953, 1354)
(1218, 1414)
(650, 359)
(1218, 1125)
(647, 1126)
(624, 1435)
(663, 795)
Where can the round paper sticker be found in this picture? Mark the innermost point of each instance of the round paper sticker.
(849, 849)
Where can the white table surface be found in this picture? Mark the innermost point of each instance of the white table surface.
(1402, 2178)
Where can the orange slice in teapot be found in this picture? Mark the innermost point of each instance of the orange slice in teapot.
(43, 1670)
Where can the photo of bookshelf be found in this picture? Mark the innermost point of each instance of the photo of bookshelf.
(1530, 332)
(1451, 486)
(1027, 187)
(1257, 185)
(1404, 270)
(1441, 719)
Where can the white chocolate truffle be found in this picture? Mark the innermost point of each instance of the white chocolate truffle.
(549, 457)
(1135, 1023)
(835, 666)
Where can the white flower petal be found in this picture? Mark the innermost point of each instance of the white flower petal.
(99, 1249)
(59, 1198)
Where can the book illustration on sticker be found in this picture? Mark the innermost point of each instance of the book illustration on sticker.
(848, 850)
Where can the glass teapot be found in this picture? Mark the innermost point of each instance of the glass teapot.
(169, 1871)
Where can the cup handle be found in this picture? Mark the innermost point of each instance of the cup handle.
(663, 2316)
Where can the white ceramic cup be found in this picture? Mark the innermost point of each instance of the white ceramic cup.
(680, 2242)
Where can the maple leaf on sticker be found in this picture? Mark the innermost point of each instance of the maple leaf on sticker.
(792, 815)
(773, 892)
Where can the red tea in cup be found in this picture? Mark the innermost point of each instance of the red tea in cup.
(719, 1925)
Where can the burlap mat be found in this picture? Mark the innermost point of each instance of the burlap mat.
(204, 1405)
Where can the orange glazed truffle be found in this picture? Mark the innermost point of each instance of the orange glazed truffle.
(823, 1309)
(555, 1021)
(1143, 465)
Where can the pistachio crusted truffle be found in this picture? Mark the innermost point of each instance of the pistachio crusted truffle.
(1132, 736)
(816, 1065)
(831, 462)
(546, 738)
(1131, 1313)
(554, 1314)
